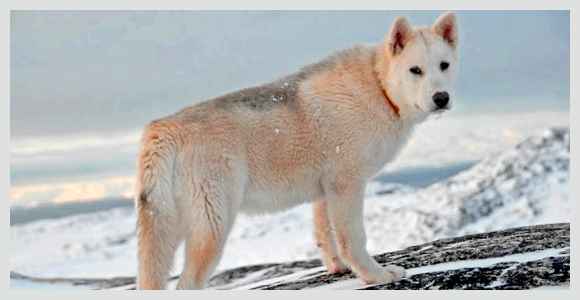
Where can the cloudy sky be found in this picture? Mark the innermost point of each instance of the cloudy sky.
(84, 83)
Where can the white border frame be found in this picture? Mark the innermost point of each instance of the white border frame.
(271, 5)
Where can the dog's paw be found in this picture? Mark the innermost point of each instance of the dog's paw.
(335, 266)
(398, 272)
(388, 274)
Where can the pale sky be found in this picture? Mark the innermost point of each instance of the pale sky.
(113, 71)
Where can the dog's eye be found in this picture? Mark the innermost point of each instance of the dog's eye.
(444, 65)
(416, 70)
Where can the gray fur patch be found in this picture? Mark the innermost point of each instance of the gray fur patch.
(281, 92)
(264, 97)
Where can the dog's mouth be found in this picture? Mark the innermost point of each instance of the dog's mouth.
(441, 110)
(437, 111)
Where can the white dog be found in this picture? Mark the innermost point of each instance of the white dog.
(316, 135)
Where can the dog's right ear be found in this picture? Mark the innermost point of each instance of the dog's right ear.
(399, 35)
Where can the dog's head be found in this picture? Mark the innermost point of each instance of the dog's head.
(417, 66)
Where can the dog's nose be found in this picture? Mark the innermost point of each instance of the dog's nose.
(441, 99)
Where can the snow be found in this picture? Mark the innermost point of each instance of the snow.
(480, 199)
(245, 281)
(487, 262)
(302, 275)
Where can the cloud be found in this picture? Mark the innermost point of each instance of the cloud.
(72, 191)
(55, 144)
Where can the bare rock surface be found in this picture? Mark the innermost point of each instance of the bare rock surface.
(518, 258)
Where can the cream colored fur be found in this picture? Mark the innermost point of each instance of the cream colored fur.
(314, 136)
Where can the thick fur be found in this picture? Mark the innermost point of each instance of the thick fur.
(317, 135)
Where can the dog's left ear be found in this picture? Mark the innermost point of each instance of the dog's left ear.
(446, 27)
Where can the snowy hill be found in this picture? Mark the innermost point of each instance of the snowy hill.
(523, 186)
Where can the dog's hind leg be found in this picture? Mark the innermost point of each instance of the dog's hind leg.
(158, 239)
(213, 215)
(325, 239)
(158, 230)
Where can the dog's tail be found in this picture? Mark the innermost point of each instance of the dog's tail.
(155, 205)
(156, 168)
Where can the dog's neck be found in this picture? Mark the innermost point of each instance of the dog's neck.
(390, 102)
(378, 66)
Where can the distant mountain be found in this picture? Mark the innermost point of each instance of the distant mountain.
(22, 215)
(522, 186)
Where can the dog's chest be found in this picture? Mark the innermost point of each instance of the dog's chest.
(384, 148)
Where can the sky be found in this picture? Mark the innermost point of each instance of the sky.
(83, 84)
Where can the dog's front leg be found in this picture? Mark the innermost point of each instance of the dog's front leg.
(345, 212)
(325, 239)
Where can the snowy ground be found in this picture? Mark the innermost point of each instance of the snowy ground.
(103, 244)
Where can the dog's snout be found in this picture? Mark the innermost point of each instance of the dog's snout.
(441, 99)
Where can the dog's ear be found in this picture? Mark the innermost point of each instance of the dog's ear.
(446, 27)
(399, 35)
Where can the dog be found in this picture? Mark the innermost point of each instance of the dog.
(313, 136)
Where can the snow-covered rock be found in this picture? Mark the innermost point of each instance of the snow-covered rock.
(519, 258)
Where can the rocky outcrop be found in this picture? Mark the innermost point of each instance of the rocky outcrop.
(518, 258)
